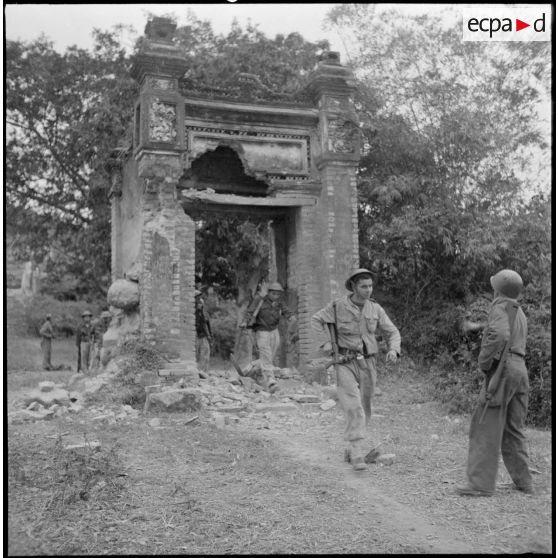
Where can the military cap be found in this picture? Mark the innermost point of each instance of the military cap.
(275, 287)
(359, 271)
(86, 313)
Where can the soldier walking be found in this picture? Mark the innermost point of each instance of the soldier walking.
(47, 333)
(84, 338)
(498, 419)
(203, 334)
(353, 321)
(263, 316)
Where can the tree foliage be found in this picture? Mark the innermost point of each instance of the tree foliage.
(64, 114)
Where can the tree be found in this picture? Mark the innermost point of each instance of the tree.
(448, 133)
(64, 114)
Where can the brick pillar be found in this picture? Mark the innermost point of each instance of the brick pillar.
(168, 259)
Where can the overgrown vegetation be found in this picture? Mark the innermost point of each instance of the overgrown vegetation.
(66, 315)
(135, 358)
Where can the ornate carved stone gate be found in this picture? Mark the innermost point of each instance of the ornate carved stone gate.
(292, 159)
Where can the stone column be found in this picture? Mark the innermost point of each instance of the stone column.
(167, 261)
(167, 249)
(333, 251)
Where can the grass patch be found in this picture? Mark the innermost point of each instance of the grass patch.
(24, 353)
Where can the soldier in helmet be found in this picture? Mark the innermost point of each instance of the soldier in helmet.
(502, 426)
(47, 333)
(84, 337)
(356, 318)
(263, 315)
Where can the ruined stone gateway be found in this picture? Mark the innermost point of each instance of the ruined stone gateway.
(290, 159)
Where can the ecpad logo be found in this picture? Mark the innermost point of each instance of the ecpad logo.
(505, 23)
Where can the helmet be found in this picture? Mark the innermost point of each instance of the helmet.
(358, 271)
(86, 313)
(106, 314)
(507, 282)
(275, 287)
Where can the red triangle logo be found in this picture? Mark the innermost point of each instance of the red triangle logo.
(519, 25)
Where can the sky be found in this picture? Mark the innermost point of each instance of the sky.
(69, 24)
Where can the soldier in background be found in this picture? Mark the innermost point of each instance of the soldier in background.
(203, 334)
(47, 333)
(100, 327)
(263, 315)
(84, 336)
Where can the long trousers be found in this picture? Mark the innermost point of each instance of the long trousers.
(501, 430)
(46, 348)
(352, 396)
(203, 350)
(268, 343)
(85, 354)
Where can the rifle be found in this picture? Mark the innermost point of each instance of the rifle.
(255, 314)
(496, 377)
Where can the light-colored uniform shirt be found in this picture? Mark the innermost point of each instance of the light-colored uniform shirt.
(357, 326)
(497, 333)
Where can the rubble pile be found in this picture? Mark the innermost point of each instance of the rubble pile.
(222, 396)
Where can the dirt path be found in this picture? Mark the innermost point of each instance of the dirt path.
(277, 483)
(390, 519)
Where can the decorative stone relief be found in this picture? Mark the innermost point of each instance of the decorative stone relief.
(342, 135)
(162, 122)
(159, 83)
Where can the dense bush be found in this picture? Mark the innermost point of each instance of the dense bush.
(434, 337)
(66, 315)
(223, 319)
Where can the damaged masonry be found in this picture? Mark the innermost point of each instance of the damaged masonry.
(290, 159)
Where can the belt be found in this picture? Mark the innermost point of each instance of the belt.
(517, 354)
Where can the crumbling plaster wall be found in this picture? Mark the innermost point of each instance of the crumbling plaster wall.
(131, 217)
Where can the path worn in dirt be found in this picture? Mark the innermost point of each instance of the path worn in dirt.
(390, 519)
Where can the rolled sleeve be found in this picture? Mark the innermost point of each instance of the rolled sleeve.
(389, 331)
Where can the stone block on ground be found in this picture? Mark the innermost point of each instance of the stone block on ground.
(304, 398)
(230, 409)
(48, 398)
(177, 400)
(327, 405)
(386, 459)
(275, 408)
(84, 446)
(46, 386)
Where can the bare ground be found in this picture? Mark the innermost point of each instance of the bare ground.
(274, 484)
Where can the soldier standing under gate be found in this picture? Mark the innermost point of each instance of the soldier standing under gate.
(504, 337)
(84, 336)
(47, 333)
(100, 327)
(263, 315)
(356, 317)
(203, 334)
